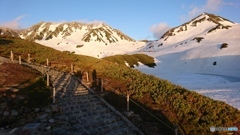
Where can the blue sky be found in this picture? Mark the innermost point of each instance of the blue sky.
(139, 19)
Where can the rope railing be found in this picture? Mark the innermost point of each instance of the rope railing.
(112, 89)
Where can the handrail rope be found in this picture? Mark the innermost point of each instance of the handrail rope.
(140, 107)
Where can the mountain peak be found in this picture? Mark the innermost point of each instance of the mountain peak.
(205, 21)
(87, 32)
(7, 32)
(214, 18)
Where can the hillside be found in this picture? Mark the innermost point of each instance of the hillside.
(21, 90)
(208, 45)
(6, 32)
(192, 112)
(204, 57)
(132, 60)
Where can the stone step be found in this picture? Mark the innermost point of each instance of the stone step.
(80, 104)
(75, 87)
(100, 116)
(81, 115)
(82, 109)
(82, 97)
(113, 126)
(77, 93)
(122, 131)
(104, 122)
(97, 130)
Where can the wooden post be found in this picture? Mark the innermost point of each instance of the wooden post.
(47, 62)
(54, 90)
(176, 129)
(47, 79)
(42, 69)
(128, 101)
(29, 59)
(71, 68)
(11, 56)
(101, 85)
(20, 60)
(87, 76)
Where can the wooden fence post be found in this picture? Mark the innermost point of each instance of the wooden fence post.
(101, 85)
(176, 129)
(47, 79)
(128, 101)
(72, 70)
(11, 56)
(54, 90)
(87, 76)
(47, 62)
(20, 60)
(29, 59)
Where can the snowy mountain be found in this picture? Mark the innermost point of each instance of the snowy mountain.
(200, 43)
(6, 32)
(203, 55)
(204, 23)
(87, 32)
(96, 39)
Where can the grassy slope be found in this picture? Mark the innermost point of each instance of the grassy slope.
(21, 86)
(132, 60)
(192, 112)
(31, 86)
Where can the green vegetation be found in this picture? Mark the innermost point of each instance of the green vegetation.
(194, 23)
(79, 46)
(219, 26)
(38, 95)
(192, 112)
(224, 45)
(132, 59)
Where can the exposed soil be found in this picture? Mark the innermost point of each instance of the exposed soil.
(13, 75)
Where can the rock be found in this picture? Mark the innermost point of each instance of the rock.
(13, 131)
(36, 110)
(48, 127)
(27, 110)
(5, 113)
(31, 128)
(21, 111)
(14, 113)
(3, 105)
(21, 97)
(128, 113)
(51, 120)
(47, 110)
(54, 108)
(42, 117)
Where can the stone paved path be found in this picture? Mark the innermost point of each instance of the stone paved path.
(84, 112)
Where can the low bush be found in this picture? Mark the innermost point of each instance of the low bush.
(224, 45)
(198, 39)
(79, 46)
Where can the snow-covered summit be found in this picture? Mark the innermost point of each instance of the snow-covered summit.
(92, 39)
(6, 32)
(203, 24)
(196, 45)
(86, 32)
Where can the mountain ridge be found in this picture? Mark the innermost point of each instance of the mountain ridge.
(49, 30)
(219, 21)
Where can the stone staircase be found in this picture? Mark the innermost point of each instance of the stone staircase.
(83, 111)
